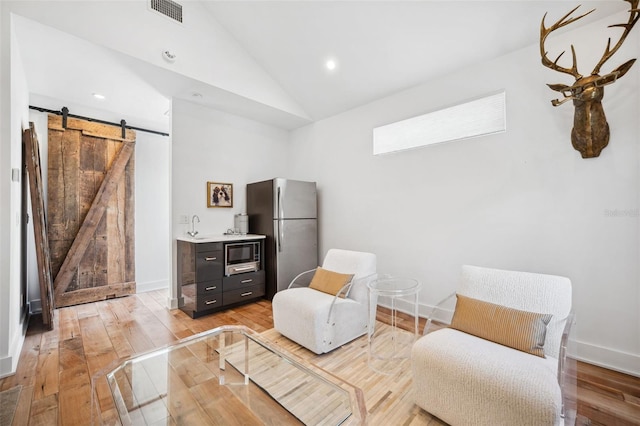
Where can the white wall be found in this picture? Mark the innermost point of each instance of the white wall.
(153, 211)
(214, 146)
(6, 363)
(523, 200)
(14, 117)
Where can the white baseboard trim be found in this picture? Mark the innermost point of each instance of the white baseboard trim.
(9, 364)
(6, 366)
(597, 355)
(622, 362)
(151, 286)
(174, 303)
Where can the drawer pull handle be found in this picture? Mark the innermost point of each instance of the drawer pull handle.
(249, 293)
(245, 281)
(244, 268)
(210, 302)
(209, 259)
(213, 287)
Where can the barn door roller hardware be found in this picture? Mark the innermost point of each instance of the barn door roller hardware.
(64, 112)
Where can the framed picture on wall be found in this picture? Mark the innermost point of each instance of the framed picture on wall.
(219, 194)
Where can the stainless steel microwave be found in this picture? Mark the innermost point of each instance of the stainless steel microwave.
(241, 257)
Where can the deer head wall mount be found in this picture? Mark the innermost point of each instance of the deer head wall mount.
(590, 132)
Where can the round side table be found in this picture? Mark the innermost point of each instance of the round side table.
(389, 345)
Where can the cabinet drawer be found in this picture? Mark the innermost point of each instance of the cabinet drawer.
(200, 247)
(209, 287)
(209, 301)
(240, 295)
(209, 265)
(235, 282)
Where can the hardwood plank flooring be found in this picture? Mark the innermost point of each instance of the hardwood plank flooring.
(55, 366)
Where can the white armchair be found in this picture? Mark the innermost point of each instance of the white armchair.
(322, 322)
(468, 380)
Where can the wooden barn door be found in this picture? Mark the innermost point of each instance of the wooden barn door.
(90, 211)
(36, 188)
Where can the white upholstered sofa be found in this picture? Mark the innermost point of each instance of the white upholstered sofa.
(468, 380)
(320, 321)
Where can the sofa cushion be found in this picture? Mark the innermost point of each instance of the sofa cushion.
(328, 281)
(514, 328)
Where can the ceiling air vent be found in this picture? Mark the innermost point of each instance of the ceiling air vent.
(168, 8)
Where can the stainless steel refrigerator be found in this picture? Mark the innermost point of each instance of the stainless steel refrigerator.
(286, 212)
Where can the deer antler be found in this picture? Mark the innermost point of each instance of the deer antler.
(634, 14)
(544, 32)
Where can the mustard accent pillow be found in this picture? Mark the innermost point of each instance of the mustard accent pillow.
(328, 281)
(521, 330)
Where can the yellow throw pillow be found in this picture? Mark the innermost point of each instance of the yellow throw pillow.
(517, 329)
(328, 281)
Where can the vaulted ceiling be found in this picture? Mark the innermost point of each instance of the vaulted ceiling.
(379, 47)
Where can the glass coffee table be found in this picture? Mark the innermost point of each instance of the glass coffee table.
(228, 375)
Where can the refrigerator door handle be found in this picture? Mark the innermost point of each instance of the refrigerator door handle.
(279, 236)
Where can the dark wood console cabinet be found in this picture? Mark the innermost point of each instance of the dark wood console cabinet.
(204, 288)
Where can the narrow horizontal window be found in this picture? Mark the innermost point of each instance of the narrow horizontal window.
(479, 117)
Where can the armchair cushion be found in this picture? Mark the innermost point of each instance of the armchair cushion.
(517, 329)
(328, 281)
(463, 379)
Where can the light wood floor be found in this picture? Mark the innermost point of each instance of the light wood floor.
(55, 367)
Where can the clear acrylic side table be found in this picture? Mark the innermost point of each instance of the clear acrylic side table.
(390, 345)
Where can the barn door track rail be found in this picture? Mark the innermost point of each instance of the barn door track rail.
(64, 112)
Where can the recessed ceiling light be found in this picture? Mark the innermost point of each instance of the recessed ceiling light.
(331, 64)
(99, 96)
